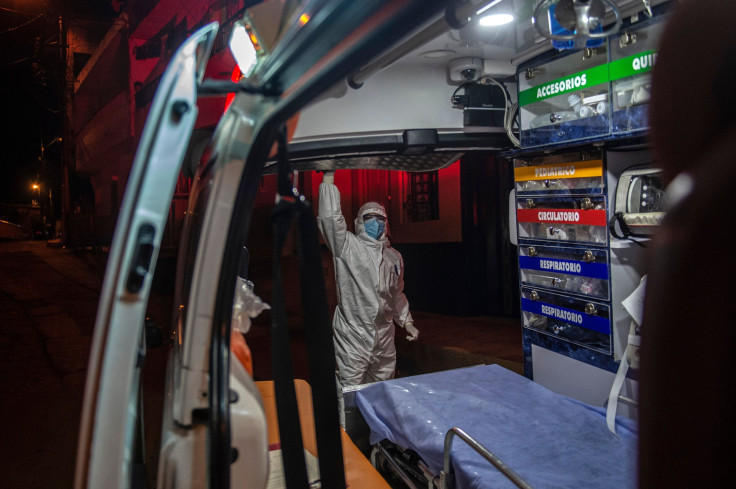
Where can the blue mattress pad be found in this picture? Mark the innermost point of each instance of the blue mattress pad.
(550, 440)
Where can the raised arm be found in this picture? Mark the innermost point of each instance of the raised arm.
(329, 217)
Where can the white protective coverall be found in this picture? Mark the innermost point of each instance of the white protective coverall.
(370, 293)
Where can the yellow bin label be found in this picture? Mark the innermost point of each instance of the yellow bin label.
(574, 169)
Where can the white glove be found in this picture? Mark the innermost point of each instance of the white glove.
(246, 305)
(329, 177)
(413, 333)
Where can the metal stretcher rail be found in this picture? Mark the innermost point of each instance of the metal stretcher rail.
(446, 477)
(398, 470)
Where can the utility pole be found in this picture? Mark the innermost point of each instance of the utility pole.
(66, 87)
(44, 184)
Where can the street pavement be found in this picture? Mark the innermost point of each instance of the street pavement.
(48, 302)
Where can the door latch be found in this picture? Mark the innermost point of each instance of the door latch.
(141, 258)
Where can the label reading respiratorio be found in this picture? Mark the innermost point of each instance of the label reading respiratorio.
(575, 169)
(570, 316)
(564, 314)
(570, 267)
(560, 266)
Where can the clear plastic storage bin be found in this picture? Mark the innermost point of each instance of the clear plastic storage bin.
(570, 270)
(565, 99)
(569, 219)
(574, 320)
(633, 55)
(565, 174)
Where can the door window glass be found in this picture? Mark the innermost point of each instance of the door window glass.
(193, 221)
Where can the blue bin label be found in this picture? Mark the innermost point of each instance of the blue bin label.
(587, 321)
(570, 267)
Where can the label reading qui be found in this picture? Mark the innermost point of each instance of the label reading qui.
(632, 65)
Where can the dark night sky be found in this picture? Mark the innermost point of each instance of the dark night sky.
(30, 88)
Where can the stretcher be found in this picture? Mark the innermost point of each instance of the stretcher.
(443, 429)
(358, 470)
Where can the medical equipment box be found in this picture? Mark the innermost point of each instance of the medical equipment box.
(582, 271)
(570, 319)
(485, 105)
(565, 99)
(633, 55)
(564, 174)
(571, 219)
(641, 201)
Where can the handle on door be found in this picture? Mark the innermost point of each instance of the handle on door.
(141, 258)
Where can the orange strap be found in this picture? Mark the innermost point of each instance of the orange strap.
(241, 351)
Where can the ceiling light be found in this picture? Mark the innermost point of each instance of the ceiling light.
(496, 20)
(438, 53)
(243, 49)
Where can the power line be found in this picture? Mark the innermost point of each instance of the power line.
(17, 61)
(22, 25)
(16, 11)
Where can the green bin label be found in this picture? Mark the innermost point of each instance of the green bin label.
(576, 81)
(632, 65)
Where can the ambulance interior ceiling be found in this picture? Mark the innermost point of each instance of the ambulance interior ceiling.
(410, 87)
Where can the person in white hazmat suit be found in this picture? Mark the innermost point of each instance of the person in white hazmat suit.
(370, 289)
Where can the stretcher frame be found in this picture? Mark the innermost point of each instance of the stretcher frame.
(446, 479)
(407, 426)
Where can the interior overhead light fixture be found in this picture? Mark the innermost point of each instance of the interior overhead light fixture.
(493, 20)
(438, 53)
(495, 17)
(243, 48)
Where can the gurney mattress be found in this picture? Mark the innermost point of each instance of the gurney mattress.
(550, 440)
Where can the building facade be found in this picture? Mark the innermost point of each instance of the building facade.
(107, 101)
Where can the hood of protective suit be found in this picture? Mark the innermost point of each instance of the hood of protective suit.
(371, 208)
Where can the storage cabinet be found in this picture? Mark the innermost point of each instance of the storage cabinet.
(593, 93)
(564, 266)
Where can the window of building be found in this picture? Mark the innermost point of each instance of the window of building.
(183, 185)
(423, 195)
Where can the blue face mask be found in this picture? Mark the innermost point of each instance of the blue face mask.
(374, 228)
